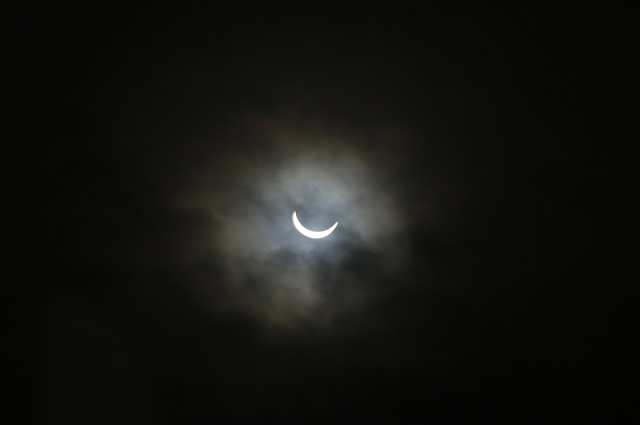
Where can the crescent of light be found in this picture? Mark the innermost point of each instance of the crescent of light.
(310, 233)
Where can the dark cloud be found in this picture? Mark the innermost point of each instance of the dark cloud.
(447, 147)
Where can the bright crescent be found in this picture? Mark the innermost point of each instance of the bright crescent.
(310, 233)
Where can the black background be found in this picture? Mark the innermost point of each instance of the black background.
(526, 325)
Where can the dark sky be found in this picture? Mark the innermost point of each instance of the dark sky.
(467, 155)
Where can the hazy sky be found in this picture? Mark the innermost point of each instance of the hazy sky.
(461, 154)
